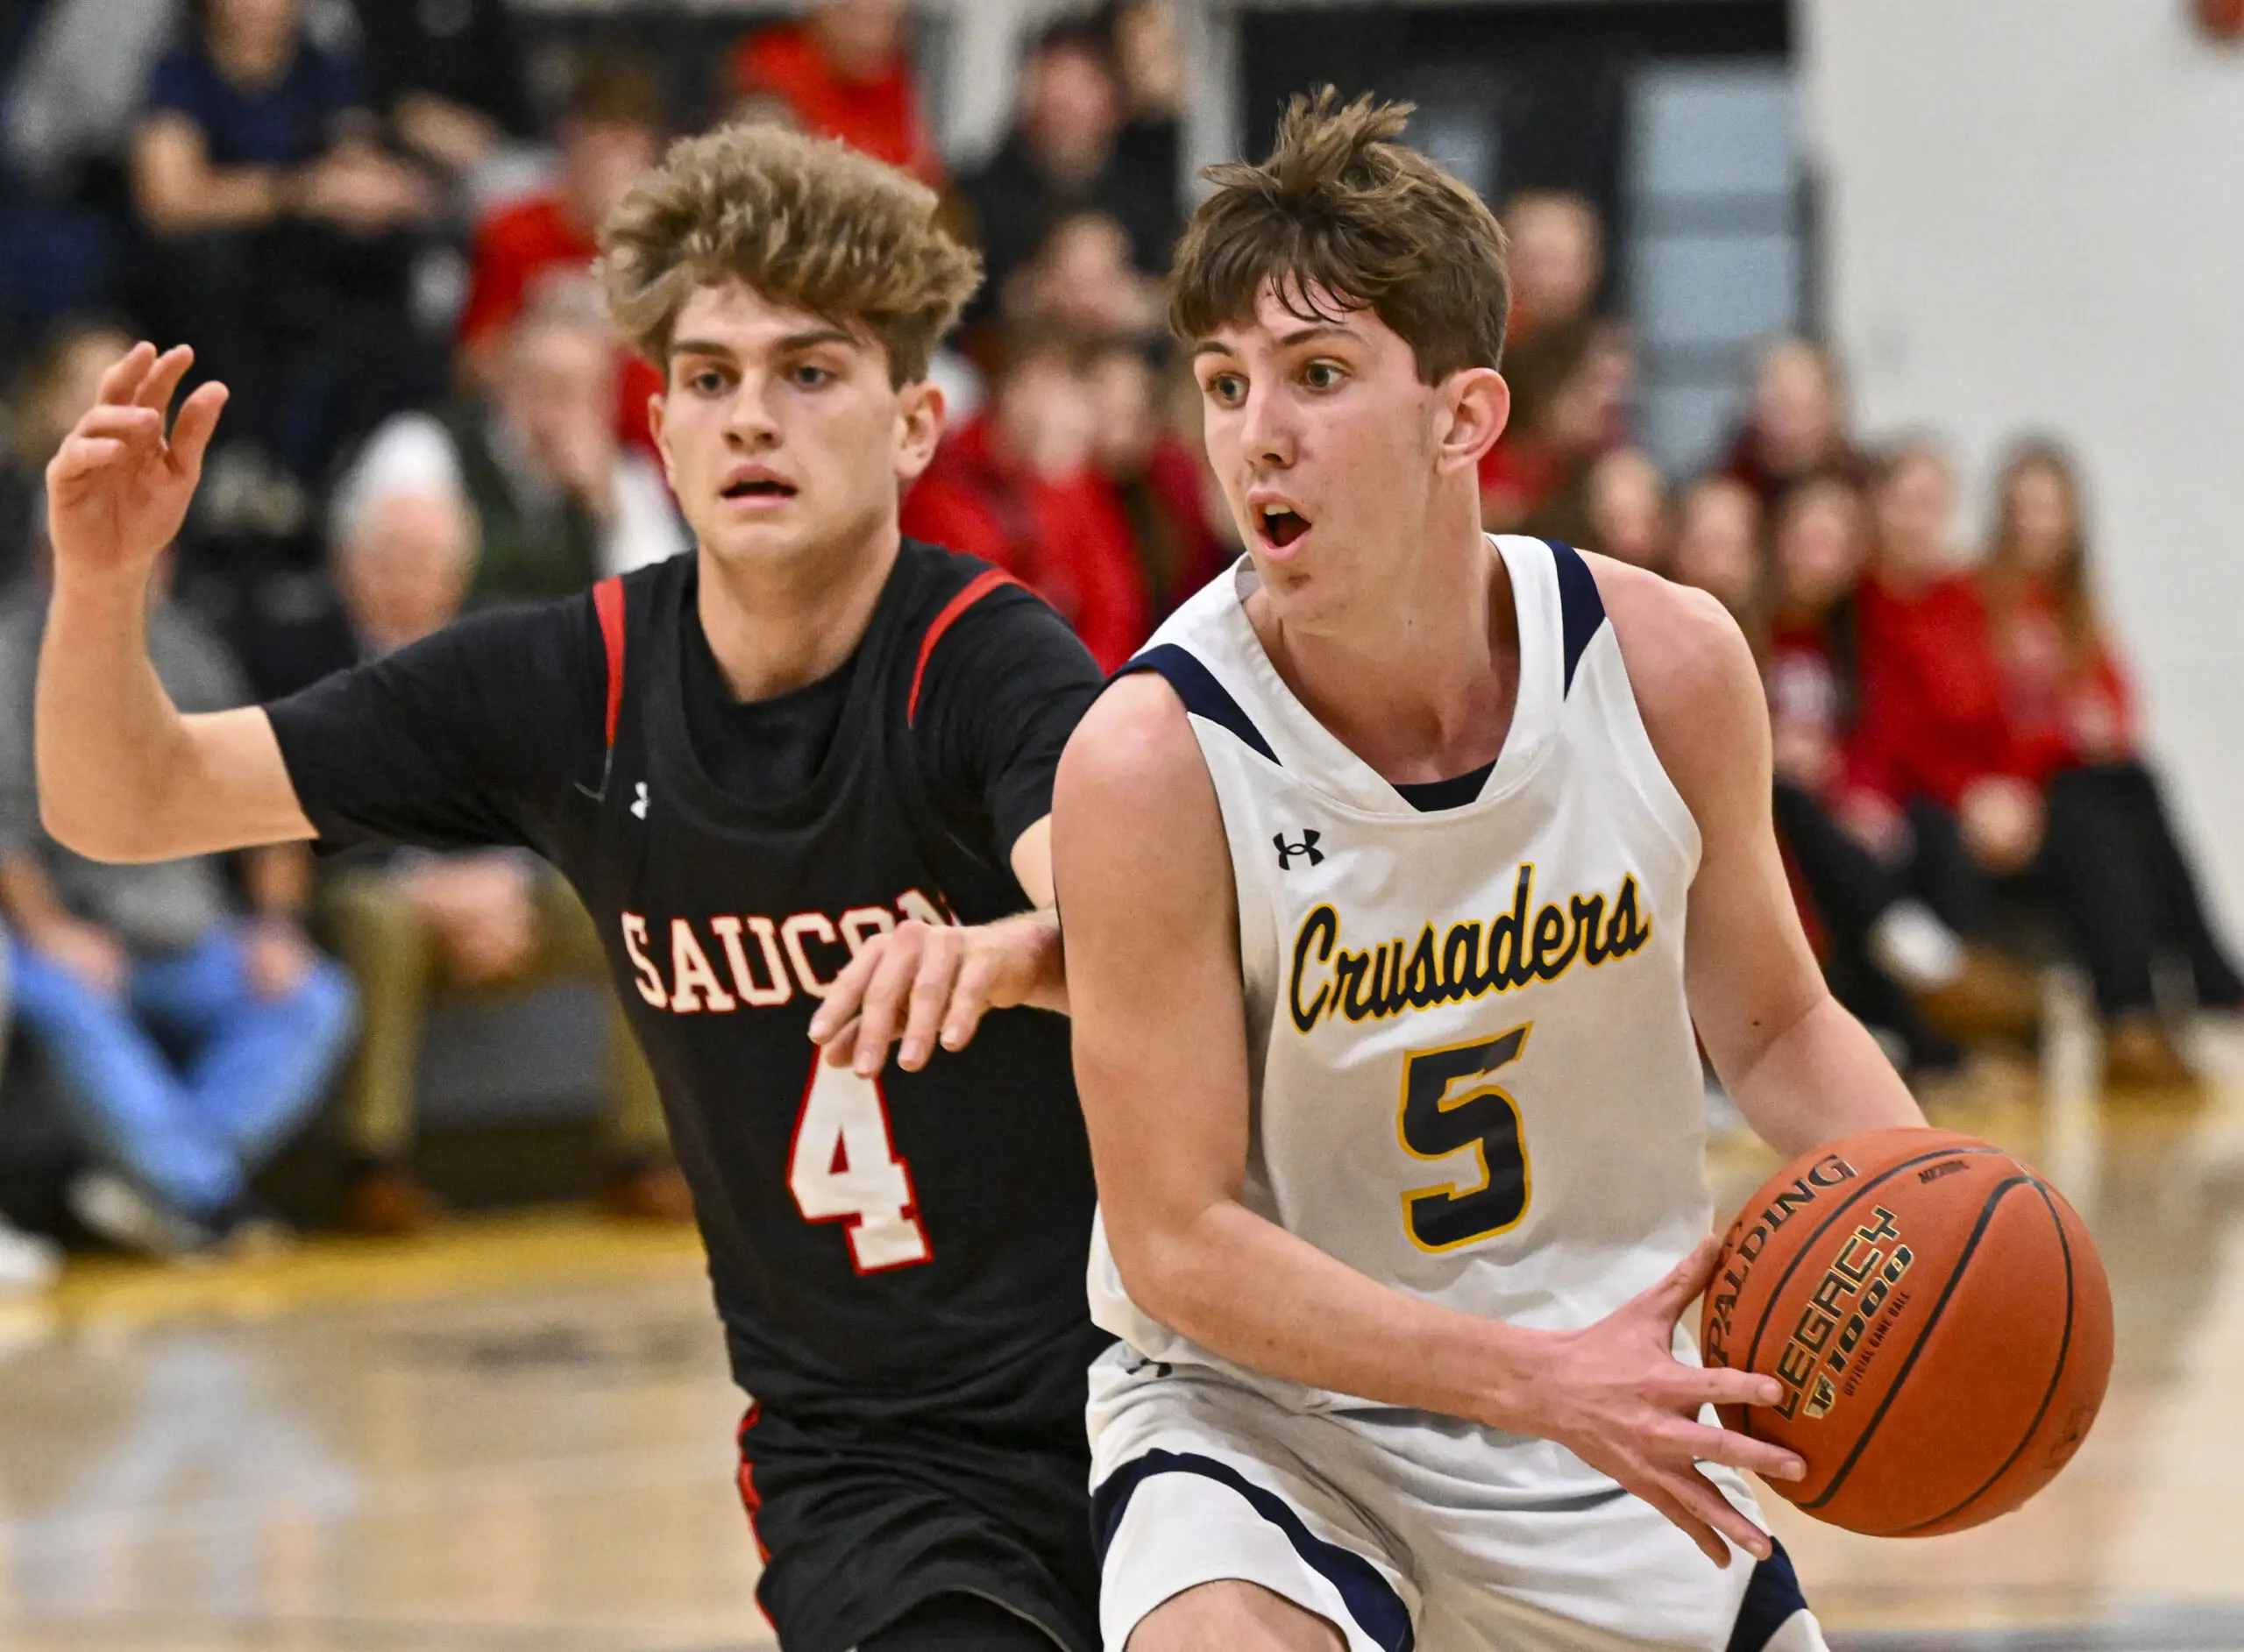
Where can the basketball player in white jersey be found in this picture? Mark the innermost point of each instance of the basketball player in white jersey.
(1396, 880)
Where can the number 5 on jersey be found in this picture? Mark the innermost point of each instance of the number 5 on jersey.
(844, 1168)
(1435, 1125)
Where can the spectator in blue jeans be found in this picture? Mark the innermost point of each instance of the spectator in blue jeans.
(190, 1042)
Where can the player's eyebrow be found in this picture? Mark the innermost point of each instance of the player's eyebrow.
(707, 347)
(814, 337)
(1299, 336)
(1322, 330)
(789, 345)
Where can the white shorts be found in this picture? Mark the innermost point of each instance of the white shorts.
(1398, 1529)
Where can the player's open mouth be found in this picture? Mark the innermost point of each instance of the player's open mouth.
(1280, 525)
(759, 487)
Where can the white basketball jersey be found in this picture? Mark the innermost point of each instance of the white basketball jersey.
(1472, 1074)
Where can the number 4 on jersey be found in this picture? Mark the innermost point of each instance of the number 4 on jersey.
(844, 1168)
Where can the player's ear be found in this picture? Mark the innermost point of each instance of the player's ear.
(920, 411)
(1476, 403)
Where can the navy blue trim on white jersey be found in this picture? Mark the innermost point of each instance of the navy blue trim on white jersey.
(1196, 686)
(1581, 610)
(1371, 1600)
(1772, 1597)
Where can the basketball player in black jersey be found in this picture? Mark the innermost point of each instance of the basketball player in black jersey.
(753, 763)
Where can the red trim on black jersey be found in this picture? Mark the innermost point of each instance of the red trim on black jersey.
(608, 602)
(977, 588)
(749, 1498)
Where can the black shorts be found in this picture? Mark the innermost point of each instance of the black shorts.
(858, 1525)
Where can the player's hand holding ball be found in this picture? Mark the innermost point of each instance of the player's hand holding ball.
(117, 489)
(1615, 1395)
(1936, 1317)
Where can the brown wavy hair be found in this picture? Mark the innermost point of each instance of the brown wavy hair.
(2004, 577)
(1342, 215)
(803, 220)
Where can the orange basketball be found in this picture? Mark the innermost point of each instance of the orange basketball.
(1939, 1318)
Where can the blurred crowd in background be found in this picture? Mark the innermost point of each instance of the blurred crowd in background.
(373, 231)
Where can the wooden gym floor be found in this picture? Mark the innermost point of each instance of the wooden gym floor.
(517, 1434)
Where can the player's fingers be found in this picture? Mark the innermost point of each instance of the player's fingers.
(80, 457)
(1709, 1542)
(1684, 1282)
(191, 431)
(1769, 1461)
(1699, 1494)
(1719, 1386)
(122, 381)
(931, 995)
(143, 426)
(163, 376)
(887, 992)
(970, 998)
(845, 993)
(841, 1048)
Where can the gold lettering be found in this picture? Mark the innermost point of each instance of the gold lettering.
(1319, 929)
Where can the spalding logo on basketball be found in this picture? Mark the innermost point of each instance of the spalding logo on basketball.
(1940, 1321)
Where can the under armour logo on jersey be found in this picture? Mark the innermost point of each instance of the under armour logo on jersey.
(1306, 846)
(639, 801)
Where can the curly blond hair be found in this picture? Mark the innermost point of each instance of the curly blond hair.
(802, 221)
(1343, 214)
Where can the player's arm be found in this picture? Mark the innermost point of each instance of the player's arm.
(1007, 690)
(1141, 858)
(123, 776)
(178, 189)
(921, 983)
(1801, 1069)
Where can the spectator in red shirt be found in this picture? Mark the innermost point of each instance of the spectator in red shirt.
(1798, 426)
(2072, 711)
(844, 73)
(1558, 262)
(1934, 741)
(1155, 477)
(1718, 549)
(612, 133)
(1625, 510)
(2069, 700)
(1891, 959)
(1014, 485)
(1570, 403)
(1819, 548)
(1933, 725)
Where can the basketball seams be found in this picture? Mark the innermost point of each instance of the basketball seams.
(1924, 1335)
(2056, 1377)
(1753, 1349)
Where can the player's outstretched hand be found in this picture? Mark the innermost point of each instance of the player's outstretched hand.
(117, 489)
(921, 982)
(1616, 1395)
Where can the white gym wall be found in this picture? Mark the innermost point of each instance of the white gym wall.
(2034, 216)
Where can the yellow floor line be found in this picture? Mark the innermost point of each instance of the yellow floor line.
(513, 1251)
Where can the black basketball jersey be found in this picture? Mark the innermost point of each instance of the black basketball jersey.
(908, 1246)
